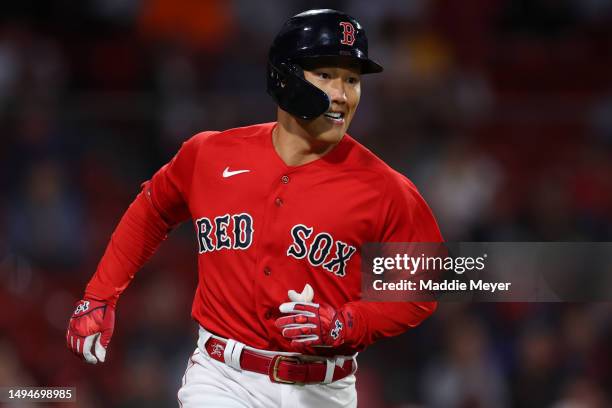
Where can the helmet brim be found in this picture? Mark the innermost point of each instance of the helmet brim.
(366, 65)
(371, 67)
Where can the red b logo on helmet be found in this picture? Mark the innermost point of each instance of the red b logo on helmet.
(348, 33)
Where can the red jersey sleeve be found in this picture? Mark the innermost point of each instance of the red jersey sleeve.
(161, 205)
(170, 188)
(405, 217)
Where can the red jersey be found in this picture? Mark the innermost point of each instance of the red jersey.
(263, 228)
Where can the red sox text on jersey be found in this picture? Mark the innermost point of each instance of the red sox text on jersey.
(219, 234)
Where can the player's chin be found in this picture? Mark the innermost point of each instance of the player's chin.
(330, 132)
(331, 136)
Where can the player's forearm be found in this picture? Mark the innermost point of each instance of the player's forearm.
(133, 242)
(376, 320)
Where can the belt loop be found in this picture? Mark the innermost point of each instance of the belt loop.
(204, 336)
(329, 371)
(227, 352)
(232, 352)
(354, 365)
(236, 353)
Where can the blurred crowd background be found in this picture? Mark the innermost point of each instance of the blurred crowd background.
(500, 111)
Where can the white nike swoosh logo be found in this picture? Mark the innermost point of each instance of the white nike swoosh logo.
(227, 173)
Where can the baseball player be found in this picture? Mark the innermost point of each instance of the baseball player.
(280, 212)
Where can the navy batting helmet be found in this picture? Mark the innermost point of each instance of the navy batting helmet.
(321, 35)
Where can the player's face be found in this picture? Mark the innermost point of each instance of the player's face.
(343, 86)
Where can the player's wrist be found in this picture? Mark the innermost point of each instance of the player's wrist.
(106, 296)
(350, 319)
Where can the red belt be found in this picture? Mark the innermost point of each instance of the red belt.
(282, 369)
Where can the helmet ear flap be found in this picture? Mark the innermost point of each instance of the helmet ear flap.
(293, 68)
(293, 93)
(276, 77)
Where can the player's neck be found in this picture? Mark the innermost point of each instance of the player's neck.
(295, 146)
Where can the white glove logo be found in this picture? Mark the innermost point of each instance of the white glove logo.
(336, 330)
(82, 307)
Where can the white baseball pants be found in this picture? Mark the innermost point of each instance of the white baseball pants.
(210, 383)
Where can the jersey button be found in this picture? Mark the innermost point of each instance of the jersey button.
(268, 315)
(285, 179)
(267, 271)
(278, 201)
